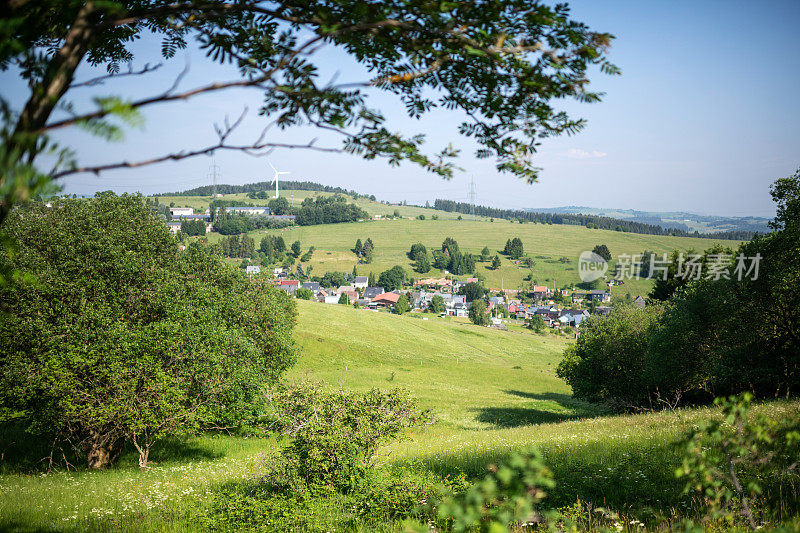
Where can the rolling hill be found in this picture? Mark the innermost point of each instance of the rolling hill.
(554, 248)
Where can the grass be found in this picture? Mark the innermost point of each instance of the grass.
(491, 392)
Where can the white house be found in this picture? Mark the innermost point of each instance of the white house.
(332, 299)
(361, 282)
(181, 211)
(252, 269)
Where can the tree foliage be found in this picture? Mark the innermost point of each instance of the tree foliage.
(392, 279)
(122, 337)
(712, 337)
(478, 314)
(437, 305)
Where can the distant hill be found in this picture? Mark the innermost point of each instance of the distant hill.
(646, 226)
(207, 190)
(681, 220)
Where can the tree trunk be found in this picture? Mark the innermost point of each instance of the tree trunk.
(59, 73)
(103, 450)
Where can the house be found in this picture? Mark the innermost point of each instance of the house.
(459, 309)
(181, 211)
(176, 218)
(541, 292)
(344, 288)
(313, 286)
(571, 317)
(174, 227)
(277, 271)
(497, 300)
(252, 270)
(352, 296)
(599, 295)
(288, 289)
(333, 299)
(604, 310)
(639, 302)
(372, 292)
(289, 282)
(387, 299)
(361, 282)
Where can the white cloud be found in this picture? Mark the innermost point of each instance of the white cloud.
(575, 153)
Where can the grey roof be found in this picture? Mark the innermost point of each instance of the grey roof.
(597, 291)
(311, 285)
(372, 292)
(361, 279)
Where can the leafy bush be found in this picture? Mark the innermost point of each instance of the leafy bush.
(608, 361)
(335, 436)
(125, 338)
(507, 496)
(728, 461)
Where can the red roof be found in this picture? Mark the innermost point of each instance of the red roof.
(540, 288)
(472, 280)
(290, 282)
(386, 297)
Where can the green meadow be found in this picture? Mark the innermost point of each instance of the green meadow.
(490, 392)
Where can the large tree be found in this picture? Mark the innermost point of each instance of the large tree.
(501, 63)
(118, 336)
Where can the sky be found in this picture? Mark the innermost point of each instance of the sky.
(705, 116)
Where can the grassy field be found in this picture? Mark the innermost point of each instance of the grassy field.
(491, 392)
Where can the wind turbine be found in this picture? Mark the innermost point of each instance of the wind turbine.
(275, 178)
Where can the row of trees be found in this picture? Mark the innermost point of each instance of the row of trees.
(590, 221)
(712, 336)
(255, 190)
(238, 246)
(328, 210)
(193, 228)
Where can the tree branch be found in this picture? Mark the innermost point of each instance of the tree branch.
(99, 80)
(258, 148)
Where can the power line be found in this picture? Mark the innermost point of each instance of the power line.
(472, 195)
(213, 172)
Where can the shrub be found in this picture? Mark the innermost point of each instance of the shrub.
(335, 435)
(125, 338)
(727, 462)
(507, 496)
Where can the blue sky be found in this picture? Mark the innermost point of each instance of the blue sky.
(705, 115)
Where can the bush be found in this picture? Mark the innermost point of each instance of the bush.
(335, 435)
(123, 337)
(608, 361)
(507, 496)
(303, 294)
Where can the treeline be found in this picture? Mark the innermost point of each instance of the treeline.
(328, 210)
(722, 323)
(265, 186)
(226, 223)
(590, 221)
